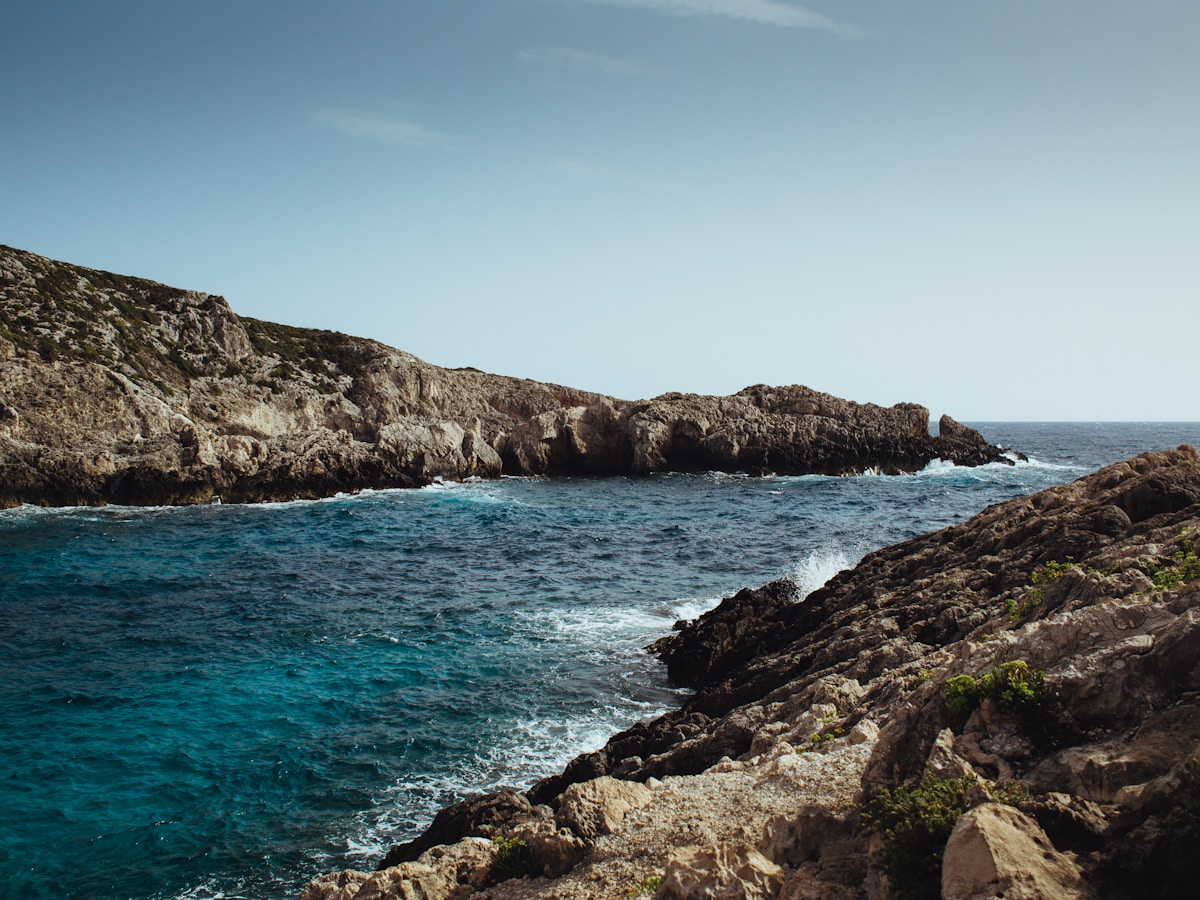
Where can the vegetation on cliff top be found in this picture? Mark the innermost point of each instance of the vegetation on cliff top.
(159, 335)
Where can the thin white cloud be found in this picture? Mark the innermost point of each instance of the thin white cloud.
(383, 128)
(617, 175)
(582, 60)
(765, 12)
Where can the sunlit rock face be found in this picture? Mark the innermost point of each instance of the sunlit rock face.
(117, 389)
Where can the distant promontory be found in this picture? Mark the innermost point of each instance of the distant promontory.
(116, 389)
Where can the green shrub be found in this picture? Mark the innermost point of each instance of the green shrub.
(1018, 611)
(915, 823)
(817, 738)
(512, 858)
(1186, 566)
(1043, 575)
(962, 695)
(1012, 685)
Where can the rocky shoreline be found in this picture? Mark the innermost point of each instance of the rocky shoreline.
(1007, 707)
(121, 390)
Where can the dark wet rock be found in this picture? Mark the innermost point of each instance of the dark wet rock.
(485, 815)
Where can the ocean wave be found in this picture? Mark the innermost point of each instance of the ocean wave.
(113, 512)
(531, 749)
(815, 570)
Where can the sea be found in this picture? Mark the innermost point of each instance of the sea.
(226, 701)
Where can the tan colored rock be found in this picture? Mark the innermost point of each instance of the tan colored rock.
(998, 851)
(864, 732)
(791, 840)
(442, 873)
(599, 806)
(153, 362)
(343, 885)
(722, 872)
(556, 850)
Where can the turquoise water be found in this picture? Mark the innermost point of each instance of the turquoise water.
(225, 701)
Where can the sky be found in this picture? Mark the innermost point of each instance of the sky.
(988, 207)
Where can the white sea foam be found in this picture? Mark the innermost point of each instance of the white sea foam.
(693, 608)
(531, 749)
(817, 568)
(938, 465)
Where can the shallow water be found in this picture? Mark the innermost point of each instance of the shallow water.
(228, 700)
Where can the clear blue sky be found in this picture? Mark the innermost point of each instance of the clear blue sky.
(989, 207)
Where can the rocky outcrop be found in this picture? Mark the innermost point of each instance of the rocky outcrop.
(1018, 693)
(599, 806)
(117, 389)
(998, 851)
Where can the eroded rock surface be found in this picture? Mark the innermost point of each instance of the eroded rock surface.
(117, 389)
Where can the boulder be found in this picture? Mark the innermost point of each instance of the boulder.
(998, 851)
(599, 806)
(555, 850)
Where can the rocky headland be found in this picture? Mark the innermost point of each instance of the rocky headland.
(121, 390)
(1009, 707)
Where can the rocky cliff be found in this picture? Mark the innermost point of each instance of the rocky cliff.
(117, 389)
(1009, 707)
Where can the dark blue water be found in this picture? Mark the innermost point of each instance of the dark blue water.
(228, 700)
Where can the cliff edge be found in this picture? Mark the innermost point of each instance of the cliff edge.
(1009, 707)
(121, 390)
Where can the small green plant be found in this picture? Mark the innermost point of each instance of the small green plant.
(1186, 541)
(1043, 575)
(915, 823)
(1018, 611)
(922, 676)
(1010, 793)
(822, 737)
(817, 738)
(649, 886)
(511, 858)
(1186, 566)
(1012, 685)
(962, 695)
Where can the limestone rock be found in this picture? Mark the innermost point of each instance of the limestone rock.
(555, 850)
(722, 872)
(343, 885)
(443, 873)
(118, 389)
(998, 851)
(599, 806)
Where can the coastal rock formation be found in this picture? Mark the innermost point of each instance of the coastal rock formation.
(1017, 695)
(120, 390)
